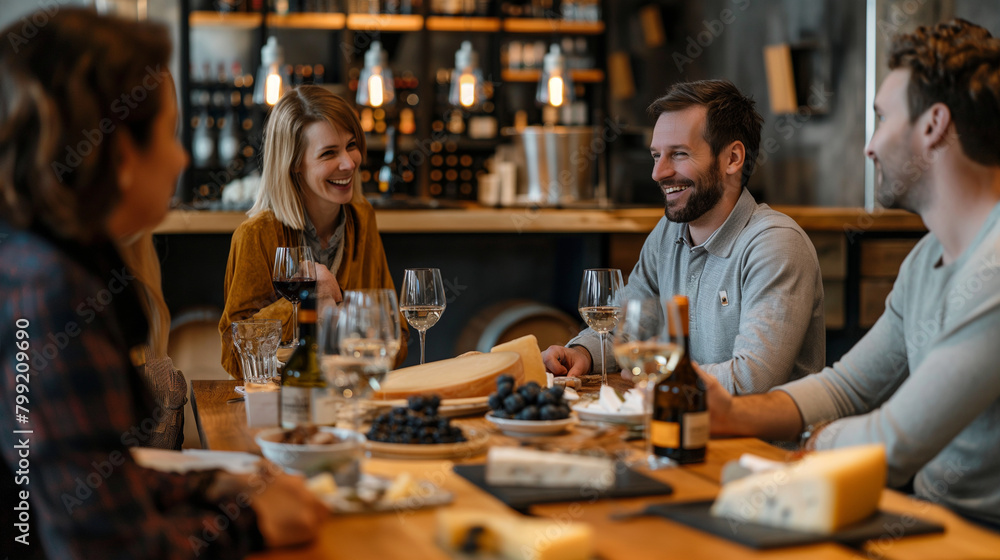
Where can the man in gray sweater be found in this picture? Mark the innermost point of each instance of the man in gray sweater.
(750, 273)
(925, 381)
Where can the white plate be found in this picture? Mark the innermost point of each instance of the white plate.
(531, 427)
(449, 408)
(474, 444)
(600, 415)
(346, 500)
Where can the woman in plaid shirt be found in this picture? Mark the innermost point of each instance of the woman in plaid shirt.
(88, 154)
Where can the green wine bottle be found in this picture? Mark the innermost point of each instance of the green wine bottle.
(304, 393)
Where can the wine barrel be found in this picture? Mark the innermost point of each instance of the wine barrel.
(512, 319)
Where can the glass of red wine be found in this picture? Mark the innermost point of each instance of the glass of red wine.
(294, 271)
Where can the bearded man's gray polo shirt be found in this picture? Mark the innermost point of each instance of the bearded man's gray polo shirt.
(755, 291)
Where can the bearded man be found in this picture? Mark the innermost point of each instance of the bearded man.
(750, 273)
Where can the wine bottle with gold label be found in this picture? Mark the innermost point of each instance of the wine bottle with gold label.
(305, 397)
(679, 427)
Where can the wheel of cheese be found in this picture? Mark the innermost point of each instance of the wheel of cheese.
(466, 376)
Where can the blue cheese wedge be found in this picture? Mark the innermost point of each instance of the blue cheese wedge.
(822, 493)
(517, 466)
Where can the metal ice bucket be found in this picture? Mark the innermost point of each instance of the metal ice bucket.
(555, 164)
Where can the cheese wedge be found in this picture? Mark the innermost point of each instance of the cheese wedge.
(514, 537)
(531, 357)
(822, 493)
(519, 466)
(465, 376)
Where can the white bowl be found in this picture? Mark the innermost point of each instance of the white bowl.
(311, 458)
(531, 427)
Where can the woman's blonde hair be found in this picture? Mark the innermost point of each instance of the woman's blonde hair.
(143, 262)
(284, 146)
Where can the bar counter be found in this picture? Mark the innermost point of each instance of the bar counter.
(477, 219)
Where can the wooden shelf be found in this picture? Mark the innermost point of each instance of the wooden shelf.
(384, 22)
(593, 76)
(219, 19)
(444, 23)
(552, 25)
(307, 21)
(549, 220)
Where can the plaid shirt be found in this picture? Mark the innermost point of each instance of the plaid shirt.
(85, 406)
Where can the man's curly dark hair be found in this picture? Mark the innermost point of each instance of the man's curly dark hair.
(956, 63)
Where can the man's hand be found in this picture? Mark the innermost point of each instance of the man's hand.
(327, 285)
(573, 362)
(773, 415)
(288, 514)
(720, 402)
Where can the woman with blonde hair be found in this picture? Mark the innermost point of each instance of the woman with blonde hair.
(310, 195)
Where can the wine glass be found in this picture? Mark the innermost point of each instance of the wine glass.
(599, 305)
(294, 271)
(649, 349)
(422, 300)
(368, 332)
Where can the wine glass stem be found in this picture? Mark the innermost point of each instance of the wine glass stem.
(422, 333)
(604, 367)
(647, 392)
(295, 323)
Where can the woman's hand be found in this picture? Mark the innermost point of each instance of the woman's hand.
(327, 285)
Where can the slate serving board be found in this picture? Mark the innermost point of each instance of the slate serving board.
(628, 484)
(696, 515)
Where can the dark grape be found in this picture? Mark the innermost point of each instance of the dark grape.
(530, 391)
(495, 401)
(557, 391)
(550, 412)
(505, 389)
(432, 401)
(529, 412)
(416, 402)
(546, 398)
(505, 378)
(514, 403)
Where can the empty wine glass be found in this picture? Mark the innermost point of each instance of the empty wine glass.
(294, 271)
(422, 300)
(599, 305)
(648, 349)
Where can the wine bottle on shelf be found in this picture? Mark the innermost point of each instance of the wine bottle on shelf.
(305, 396)
(679, 427)
(387, 173)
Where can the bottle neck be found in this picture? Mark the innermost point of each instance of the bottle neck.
(307, 332)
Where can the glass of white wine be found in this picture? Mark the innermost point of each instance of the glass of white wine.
(422, 300)
(599, 304)
(649, 349)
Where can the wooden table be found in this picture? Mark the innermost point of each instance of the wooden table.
(409, 535)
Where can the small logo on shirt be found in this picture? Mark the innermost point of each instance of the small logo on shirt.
(724, 298)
